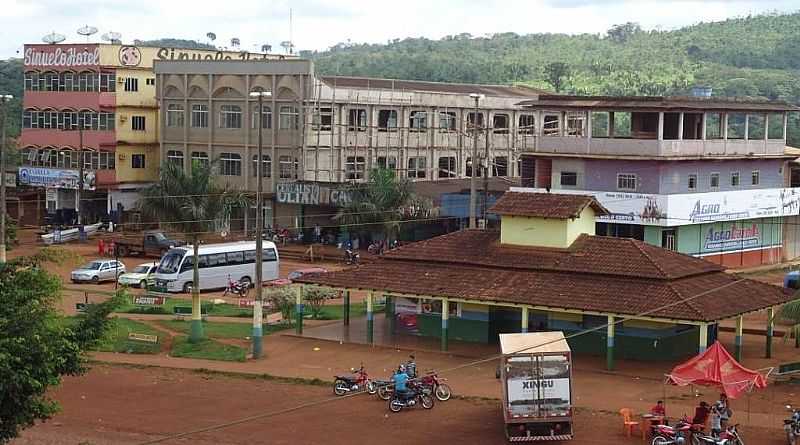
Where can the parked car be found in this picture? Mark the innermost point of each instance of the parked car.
(140, 276)
(97, 271)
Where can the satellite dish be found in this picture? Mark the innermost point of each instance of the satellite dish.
(288, 46)
(111, 36)
(235, 42)
(266, 48)
(53, 38)
(87, 30)
(211, 36)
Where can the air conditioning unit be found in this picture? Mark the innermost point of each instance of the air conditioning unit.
(123, 118)
(481, 223)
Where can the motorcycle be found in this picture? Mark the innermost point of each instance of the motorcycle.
(384, 389)
(416, 395)
(351, 257)
(236, 287)
(440, 389)
(673, 435)
(792, 426)
(358, 381)
(728, 437)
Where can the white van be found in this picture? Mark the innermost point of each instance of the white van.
(218, 264)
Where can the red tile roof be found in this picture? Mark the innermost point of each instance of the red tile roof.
(545, 205)
(599, 274)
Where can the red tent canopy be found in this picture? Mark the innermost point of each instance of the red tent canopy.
(716, 367)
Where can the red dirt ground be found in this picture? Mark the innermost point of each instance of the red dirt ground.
(121, 405)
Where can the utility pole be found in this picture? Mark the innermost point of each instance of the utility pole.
(487, 166)
(80, 169)
(4, 99)
(259, 284)
(473, 164)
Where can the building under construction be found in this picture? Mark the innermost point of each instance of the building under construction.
(322, 133)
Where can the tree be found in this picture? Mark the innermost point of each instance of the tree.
(316, 297)
(556, 73)
(36, 347)
(382, 203)
(791, 312)
(193, 204)
(622, 33)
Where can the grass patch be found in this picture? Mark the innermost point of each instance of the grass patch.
(117, 338)
(336, 311)
(218, 329)
(207, 349)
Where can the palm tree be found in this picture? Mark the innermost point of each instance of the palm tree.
(383, 202)
(193, 204)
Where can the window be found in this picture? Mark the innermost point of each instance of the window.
(175, 157)
(713, 126)
(500, 123)
(354, 167)
(575, 124)
(266, 117)
(266, 165)
(418, 121)
(200, 116)
(734, 179)
(447, 167)
(626, 181)
(551, 125)
(174, 115)
(387, 120)
(474, 119)
(137, 161)
(323, 119)
(230, 116)
(288, 169)
(249, 256)
(391, 165)
(775, 126)
(131, 84)
(357, 119)
(754, 177)
(234, 258)
(468, 170)
(500, 166)
(527, 124)
(150, 81)
(215, 259)
(714, 181)
(668, 239)
(736, 125)
(755, 126)
(569, 179)
(692, 184)
(137, 123)
(289, 118)
(200, 158)
(416, 167)
(447, 121)
(231, 164)
(108, 82)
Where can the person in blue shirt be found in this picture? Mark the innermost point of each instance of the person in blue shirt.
(400, 379)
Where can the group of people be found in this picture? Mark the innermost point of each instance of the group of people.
(405, 372)
(719, 413)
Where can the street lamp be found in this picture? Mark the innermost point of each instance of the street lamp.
(4, 98)
(259, 285)
(472, 182)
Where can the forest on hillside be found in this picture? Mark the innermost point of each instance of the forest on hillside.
(754, 56)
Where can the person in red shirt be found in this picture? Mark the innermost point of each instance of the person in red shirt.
(658, 409)
(701, 414)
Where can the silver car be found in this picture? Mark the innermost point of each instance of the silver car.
(97, 271)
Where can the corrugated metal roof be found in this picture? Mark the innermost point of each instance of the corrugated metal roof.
(660, 103)
(433, 87)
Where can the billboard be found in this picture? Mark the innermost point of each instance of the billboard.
(55, 178)
(690, 208)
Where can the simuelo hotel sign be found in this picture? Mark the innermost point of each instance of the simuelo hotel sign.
(62, 55)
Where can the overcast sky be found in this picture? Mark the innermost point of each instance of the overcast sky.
(319, 24)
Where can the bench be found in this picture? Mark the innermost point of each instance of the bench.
(182, 312)
(787, 371)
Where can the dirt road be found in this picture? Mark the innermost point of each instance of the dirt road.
(121, 405)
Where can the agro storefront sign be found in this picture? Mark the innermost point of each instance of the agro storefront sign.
(62, 55)
(311, 194)
(55, 178)
(691, 208)
(731, 237)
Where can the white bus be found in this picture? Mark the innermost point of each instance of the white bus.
(218, 264)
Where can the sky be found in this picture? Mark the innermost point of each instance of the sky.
(319, 24)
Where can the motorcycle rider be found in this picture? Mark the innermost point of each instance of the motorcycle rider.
(400, 379)
(411, 367)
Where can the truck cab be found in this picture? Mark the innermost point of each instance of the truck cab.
(536, 373)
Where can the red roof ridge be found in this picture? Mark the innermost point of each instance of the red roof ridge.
(686, 300)
(650, 258)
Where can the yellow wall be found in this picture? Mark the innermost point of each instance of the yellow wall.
(126, 173)
(145, 96)
(545, 232)
(125, 133)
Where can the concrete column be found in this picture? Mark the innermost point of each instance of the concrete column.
(766, 126)
(738, 339)
(610, 124)
(660, 125)
(610, 344)
(299, 310)
(370, 320)
(724, 125)
(770, 327)
(703, 345)
(680, 126)
(389, 314)
(785, 125)
(524, 319)
(703, 127)
(746, 126)
(588, 132)
(346, 308)
(445, 317)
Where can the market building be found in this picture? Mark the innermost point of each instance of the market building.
(322, 134)
(699, 175)
(547, 270)
(110, 89)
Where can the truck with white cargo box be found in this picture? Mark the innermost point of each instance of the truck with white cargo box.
(536, 373)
